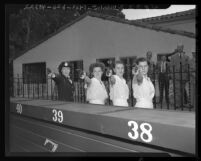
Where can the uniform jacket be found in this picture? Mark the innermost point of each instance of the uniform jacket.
(167, 66)
(151, 69)
(180, 64)
(192, 69)
(65, 88)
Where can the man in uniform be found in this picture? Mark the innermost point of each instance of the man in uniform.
(64, 83)
(163, 78)
(180, 63)
(151, 66)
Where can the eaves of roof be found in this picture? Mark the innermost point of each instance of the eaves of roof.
(170, 17)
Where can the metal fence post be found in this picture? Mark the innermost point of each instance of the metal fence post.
(131, 85)
(18, 85)
(38, 90)
(42, 90)
(75, 92)
(81, 98)
(83, 95)
(168, 85)
(28, 83)
(84, 92)
(51, 89)
(78, 92)
(189, 87)
(23, 86)
(154, 81)
(108, 90)
(174, 87)
(33, 91)
(131, 91)
(181, 86)
(47, 86)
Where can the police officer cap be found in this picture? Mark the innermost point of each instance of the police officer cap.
(63, 64)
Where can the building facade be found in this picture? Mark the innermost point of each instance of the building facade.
(94, 37)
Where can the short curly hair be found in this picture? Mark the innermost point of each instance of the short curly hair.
(141, 59)
(118, 62)
(97, 64)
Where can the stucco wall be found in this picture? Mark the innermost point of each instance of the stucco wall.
(93, 38)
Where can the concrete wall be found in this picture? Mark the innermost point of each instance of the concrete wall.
(93, 38)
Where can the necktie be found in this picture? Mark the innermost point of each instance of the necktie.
(163, 67)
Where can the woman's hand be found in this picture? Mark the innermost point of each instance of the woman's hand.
(108, 72)
(112, 80)
(135, 70)
(51, 75)
(139, 78)
(83, 75)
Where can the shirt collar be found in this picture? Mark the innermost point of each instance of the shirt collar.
(98, 80)
(67, 77)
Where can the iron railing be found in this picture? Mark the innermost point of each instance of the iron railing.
(48, 90)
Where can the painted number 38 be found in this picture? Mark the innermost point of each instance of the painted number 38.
(145, 134)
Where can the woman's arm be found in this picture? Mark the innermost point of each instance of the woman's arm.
(87, 80)
(152, 90)
(112, 80)
(134, 81)
(54, 76)
(83, 75)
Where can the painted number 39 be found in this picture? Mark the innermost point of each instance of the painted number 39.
(58, 116)
(145, 134)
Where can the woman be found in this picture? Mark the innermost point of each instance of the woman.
(143, 89)
(96, 92)
(119, 91)
(63, 81)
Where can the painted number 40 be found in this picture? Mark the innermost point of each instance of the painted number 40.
(145, 134)
(19, 108)
(58, 116)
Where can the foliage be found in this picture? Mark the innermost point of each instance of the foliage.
(30, 26)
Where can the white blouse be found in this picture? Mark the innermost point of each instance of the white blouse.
(96, 92)
(144, 93)
(119, 92)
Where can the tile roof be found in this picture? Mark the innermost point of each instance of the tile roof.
(142, 24)
(115, 19)
(169, 17)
